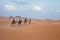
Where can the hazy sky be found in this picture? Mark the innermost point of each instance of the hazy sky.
(43, 9)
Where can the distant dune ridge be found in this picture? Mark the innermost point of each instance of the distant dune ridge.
(37, 30)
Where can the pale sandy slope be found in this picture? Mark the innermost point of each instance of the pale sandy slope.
(37, 30)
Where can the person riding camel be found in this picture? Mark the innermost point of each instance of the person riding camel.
(25, 20)
(13, 22)
(29, 21)
(20, 21)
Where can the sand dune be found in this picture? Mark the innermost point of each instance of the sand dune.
(37, 30)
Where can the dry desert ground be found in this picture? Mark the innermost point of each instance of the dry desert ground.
(37, 30)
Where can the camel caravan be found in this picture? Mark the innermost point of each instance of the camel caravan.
(20, 21)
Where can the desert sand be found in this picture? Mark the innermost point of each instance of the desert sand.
(37, 30)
